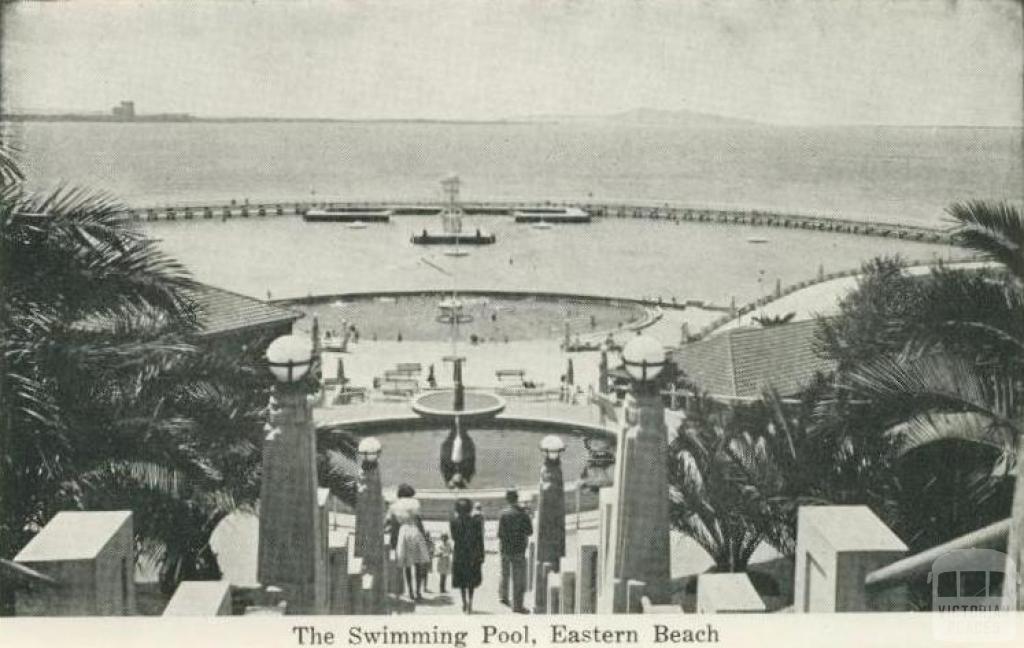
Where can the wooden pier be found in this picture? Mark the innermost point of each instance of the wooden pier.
(363, 215)
(666, 212)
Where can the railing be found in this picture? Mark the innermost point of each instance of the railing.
(784, 291)
(665, 212)
(991, 537)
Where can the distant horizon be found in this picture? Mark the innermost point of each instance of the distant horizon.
(667, 115)
(800, 62)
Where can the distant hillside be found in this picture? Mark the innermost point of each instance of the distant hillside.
(649, 116)
(677, 118)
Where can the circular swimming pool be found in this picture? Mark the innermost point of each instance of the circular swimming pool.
(507, 452)
(490, 318)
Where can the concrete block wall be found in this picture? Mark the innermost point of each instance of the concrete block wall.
(836, 548)
(91, 554)
(727, 593)
(200, 598)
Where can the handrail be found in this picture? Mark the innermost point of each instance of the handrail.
(990, 537)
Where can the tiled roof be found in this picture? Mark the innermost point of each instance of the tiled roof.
(741, 362)
(221, 311)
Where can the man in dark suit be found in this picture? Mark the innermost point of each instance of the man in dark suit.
(514, 531)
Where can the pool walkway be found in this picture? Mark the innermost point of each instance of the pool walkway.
(823, 299)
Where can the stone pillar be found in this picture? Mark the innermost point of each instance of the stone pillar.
(832, 561)
(91, 557)
(550, 523)
(289, 536)
(370, 519)
(602, 376)
(638, 546)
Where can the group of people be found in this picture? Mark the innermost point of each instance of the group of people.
(461, 554)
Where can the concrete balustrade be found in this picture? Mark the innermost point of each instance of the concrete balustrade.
(658, 608)
(337, 569)
(554, 593)
(200, 598)
(586, 583)
(540, 587)
(636, 591)
(567, 582)
(727, 593)
(91, 555)
(836, 548)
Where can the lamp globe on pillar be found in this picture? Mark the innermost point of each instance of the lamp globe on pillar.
(369, 452)
(552, 448)
(289, 358)
(644, 359)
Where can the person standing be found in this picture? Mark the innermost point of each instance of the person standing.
(468, 535)
(514, 530)
(410, 542)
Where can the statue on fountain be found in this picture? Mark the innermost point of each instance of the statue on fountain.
(458, 458)
(458, 452)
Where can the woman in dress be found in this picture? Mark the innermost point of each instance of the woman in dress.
(411, 544)
(467, 532)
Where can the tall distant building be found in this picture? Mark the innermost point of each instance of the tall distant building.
(124, 111)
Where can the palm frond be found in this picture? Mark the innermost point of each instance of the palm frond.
(938, 382)
(994, 229)
(10, 172)
(930, 427)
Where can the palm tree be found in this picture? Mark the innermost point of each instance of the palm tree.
(109, 402)
(961, 372)
(706, 496)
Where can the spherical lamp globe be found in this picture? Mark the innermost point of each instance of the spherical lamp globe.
(644, 358)
(369, 450)
(289, 357)
(552, 446)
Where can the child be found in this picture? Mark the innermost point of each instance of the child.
(423, 568)
(443, 553)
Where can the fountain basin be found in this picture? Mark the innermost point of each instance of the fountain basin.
(439, 406)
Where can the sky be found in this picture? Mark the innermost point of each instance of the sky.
(920, 62)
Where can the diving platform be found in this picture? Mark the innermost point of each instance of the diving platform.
(551, 215)
(348, 215)
(479, 238)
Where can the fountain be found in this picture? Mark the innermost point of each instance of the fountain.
(452, 310)
(455, 407)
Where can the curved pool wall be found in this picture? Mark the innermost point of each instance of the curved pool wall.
(437, 502)
(651, 310)
(665, 211)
